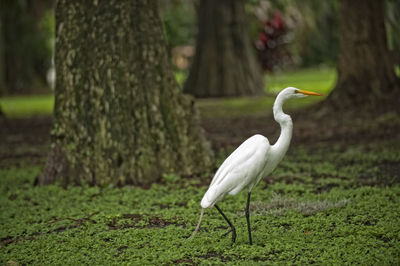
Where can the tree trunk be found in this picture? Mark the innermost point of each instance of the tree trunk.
(120, 117)
(2, 62)
(224, 63)
(366, 76)
(2, 68)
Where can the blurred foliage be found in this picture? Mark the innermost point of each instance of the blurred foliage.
(318, 41)
(311, 30)
(272, 42)
(309, 35)
(313, 27)
(179, 21)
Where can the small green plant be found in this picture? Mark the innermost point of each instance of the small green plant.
(170, 179)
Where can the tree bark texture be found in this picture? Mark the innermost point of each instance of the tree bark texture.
(120, 116)
(224, 63)
(366, 76)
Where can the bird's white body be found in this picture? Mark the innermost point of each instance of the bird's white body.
(251, 161)
(244, 168)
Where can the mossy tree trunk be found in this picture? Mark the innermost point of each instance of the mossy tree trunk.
(366, 77)
(224, 63)
(120, 117)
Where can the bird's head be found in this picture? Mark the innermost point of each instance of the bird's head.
(292, 92)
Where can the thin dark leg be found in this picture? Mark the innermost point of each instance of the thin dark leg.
(248, 217)
(229, 222)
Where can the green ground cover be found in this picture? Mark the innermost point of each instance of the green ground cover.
(325, 205)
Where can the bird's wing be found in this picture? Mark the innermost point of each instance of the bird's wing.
(240, 169)
(244, 157)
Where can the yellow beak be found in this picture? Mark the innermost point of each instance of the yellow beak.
(310, 93)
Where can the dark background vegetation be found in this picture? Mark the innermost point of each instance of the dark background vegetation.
(334, 199)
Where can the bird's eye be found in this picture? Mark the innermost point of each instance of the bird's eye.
(296, 91)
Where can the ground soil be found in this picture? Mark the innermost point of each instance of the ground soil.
(309, 128)
(24, 139)
(29, 139)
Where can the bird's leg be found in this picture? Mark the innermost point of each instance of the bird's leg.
(225, 234)
(248, 217)
(229, 222)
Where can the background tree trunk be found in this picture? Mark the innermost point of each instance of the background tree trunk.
(2, 68)
(26, 56)
(2, 63)
(224, 63)
(120, 117)
(366, 76)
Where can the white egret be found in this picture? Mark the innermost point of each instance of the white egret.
(251, 161)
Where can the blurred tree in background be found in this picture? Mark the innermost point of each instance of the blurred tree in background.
(224, 63)
(393, 28)
(366, 68)
(120, 117)
(26, 45)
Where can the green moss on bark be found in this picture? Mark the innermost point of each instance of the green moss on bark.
(120, 116)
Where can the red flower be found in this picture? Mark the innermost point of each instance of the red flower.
(263, 37)
(277, 21)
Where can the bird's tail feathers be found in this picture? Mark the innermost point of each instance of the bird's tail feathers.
(198, 225)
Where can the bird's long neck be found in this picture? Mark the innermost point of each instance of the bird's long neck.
(281, 146)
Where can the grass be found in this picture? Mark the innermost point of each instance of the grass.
(315, 79)
(27, 106)
(323, 205)
(236, 107)
(320, 80)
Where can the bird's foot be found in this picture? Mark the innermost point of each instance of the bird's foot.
(233, 230)
(225, 234)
